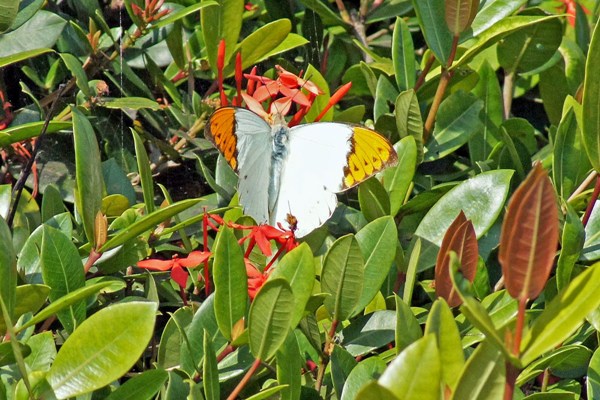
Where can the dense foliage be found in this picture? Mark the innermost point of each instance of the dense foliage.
(465, 271)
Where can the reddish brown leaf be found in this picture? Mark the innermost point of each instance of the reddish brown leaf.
(459, 14)
(460, 238)
(529, 236)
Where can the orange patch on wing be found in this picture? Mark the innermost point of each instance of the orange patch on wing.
(369, 153)
(220, 130)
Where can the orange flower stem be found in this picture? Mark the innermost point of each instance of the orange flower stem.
(590, 206)
(275, 257)
(245, 380)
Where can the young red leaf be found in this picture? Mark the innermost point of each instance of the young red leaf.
(459, 14)
(460, 238)
(529, 236)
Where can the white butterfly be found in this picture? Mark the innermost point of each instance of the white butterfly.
(291, 175)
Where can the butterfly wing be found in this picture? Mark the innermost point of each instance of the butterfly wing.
(323, 159)
(244, 139)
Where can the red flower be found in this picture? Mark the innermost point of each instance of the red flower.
(571, 10)
(176, 265)
(255, 278)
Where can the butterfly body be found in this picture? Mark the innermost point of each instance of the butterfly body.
(294, 173)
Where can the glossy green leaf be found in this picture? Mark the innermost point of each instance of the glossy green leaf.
(210, 372)
(62, 270)
(490, 13)
(591, 102)
(8, 13)
(481, 198)
(593, 376)
(364, 372)
(480, 318)
(373, 199)
(566, 361)
(144, 386)
(430, 14)
(408, 119)
(385, 95)
(369, 332)
(440, 322)
(416, 372)
(39, 33)
(8, 270)
(64, 302)
(30, 298)
(374, 391)
(377, 241)
(403, 56)
(270, 318)
(459, 14)
(342, 364)
(18, 133)
(172, 338)
(573, 238)
(143, 164)
(321, 101)
(457, 121)
(76, 69)
(102, 349)
(408, 329)
(129, 103)
(25, 55)
(563, 315)
(488, 90)
(147, 223)
(88, 171)
(221, 22)
(184, 12)
(496, 32)
(7, 355)
(483, 376)
(291, 41)
(259, 43)
(342, 277)
(289, 362)
(52, 203)
(298, 268)
(231, 286)
(397, 179)
(530, 47)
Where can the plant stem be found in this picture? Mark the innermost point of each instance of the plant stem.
(519, 327)
(508, 91)
(511, 379)
(244, 380)
(424, 72)
(590, 206)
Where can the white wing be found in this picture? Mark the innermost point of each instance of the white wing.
(312, 173)
(244, 138)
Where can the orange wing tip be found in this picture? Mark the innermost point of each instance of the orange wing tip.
(220, 130)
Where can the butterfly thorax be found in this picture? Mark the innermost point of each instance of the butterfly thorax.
(280, 136)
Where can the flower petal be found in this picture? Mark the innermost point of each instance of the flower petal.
(156, 265)
(179, 275)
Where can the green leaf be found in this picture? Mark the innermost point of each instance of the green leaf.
(75, 66)
(172, 338)
(483, 376)
(144, 386)
(231, 286)
(563, 315)
(143, 164)
(416, 372)
(52, 203)
(184, 12)
(40, 33)
(490, 13)
(29, 130)
(147, 223)
(8, 270)
(222, 22)
(377, 242)
(289, 362)
(408, 329)
(270, 318)
(62, 270)
(591, 102)
(210, 372)
(373, 199)
(8, 13)
(374, 391)
(64, 302)
(440, 322)
(408, 119)
(496, 32)
(30, 298)
(321, 101)
(457, 121)
(25, 55)
(290, 42)
(403, 56)
(488, 90)
(385, 94)
(397, 179)
(365, 372)
(129, 103)
(369, 332)
(573, 238)
(327, 15)
(593, 375)
(88, 172)
(431, 17)
(298, 268)
(342, 277)
(342, 364)
(530, 47)
(102, 349)
(481, 198)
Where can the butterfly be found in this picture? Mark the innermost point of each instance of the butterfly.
(290, 176)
